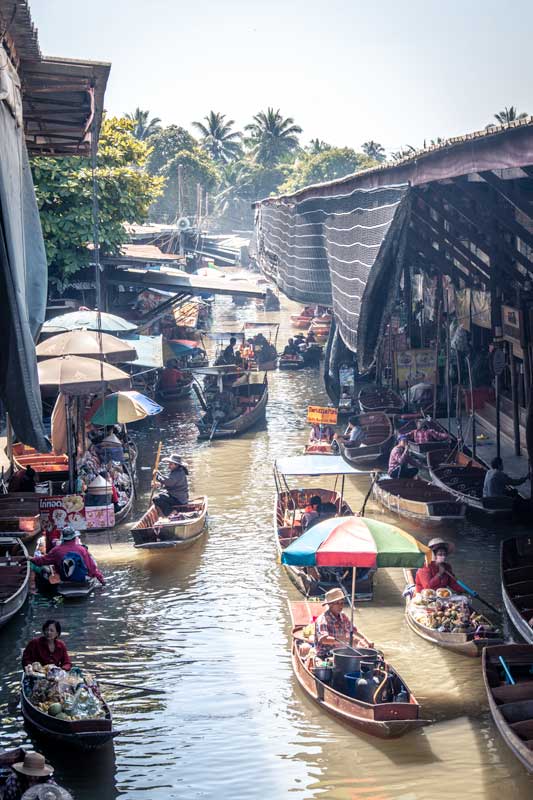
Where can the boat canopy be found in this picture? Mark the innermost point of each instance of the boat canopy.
(317, 465)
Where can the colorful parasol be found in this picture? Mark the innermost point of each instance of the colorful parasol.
(125, 407)
(86, 343)
(180, 347)
(76, 375)
(355, 542)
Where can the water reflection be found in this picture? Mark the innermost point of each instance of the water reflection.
(211, 630)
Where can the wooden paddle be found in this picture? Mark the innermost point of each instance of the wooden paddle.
(473, 593)
(129, 686)
(155, 469)
(375, 476)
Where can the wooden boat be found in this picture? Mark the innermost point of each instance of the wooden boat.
(252, 399)
(379, 398)
(464, 477)
(20, 515)
(187, 523)
(14, 577)
(291, 362)
(85, 734)
(511, 705)
(463, 643)
(320, 448)
(421, 450)
(386, 720)
(68, 590)
(312, 355)
(10, 757)
(313, 581)
(377, 442)
(304, 319)
(262, 366)
(419, 502)
(177, 393)
(320, 327)
(516, 556)
(48, 466)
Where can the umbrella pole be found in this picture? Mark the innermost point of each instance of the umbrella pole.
(352, 607)
(70, 454)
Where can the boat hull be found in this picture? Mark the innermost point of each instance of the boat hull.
(149, 536)
(405, 498)
(240, 424)
(377, 442)
(516, 555)
(380, 399)
(15, 579)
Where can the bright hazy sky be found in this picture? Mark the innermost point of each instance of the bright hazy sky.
(346, 70)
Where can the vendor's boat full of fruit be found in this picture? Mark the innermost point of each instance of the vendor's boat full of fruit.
(65, 707)
(449, 620)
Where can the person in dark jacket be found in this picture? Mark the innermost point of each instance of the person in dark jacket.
(175, 491)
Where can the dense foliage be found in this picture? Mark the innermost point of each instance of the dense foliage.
(64, 194)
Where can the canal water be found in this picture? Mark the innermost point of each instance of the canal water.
(210, 629)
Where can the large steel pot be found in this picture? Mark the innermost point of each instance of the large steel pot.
(345, 660)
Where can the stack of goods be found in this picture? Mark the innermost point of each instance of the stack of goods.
(442, 611)
(64, 695)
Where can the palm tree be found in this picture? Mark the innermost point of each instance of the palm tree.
(374, 150)
(272, 137)
(317, 146)
(406, 151)
(509, 115)
(218, 139)
(144, 127)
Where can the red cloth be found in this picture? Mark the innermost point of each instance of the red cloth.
(55, 558)
(37, 650)
(170, 378)
(429, 578)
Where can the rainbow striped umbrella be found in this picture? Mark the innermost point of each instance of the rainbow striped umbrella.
(355, 542)
(125, 407)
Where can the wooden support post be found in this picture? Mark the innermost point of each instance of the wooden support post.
(516, 407)
(407, 291)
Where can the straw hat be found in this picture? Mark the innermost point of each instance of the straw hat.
(34, 765)
(434, 544)
(175, 459)
(333, 596)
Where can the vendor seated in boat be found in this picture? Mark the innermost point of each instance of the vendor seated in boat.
(332, 627)
(48, 648)
(70, 559)
(310, 338)
(496, 481)
(33, 771)
(423, 433)
(438, 574)
(171, 376)
(312, 511)
(354, 433)
(321, 433)
(175, 490)
(228, 354)
(291, 348)
(421, 394)
(401, 464)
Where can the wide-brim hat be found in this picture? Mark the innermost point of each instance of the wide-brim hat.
(175, 459)
(333, 596)
(68, 533)
(34, 765)
(434, 544)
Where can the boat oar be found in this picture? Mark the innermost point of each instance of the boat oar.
(213, 429)
(473, 593)
(129, 686)
(508, 675)
(375, 476)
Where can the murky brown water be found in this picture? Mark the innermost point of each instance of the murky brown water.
(212, 631)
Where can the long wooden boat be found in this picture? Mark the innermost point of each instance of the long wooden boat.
(186, 524)
(85, 734)
(379, 398)
(516, 556)
(319, 448)
(320, 327)
(312, 355)
(291, 362)
(14, 577)
(304, 318)
(463, 476)
(377, 441)
(386, 720)
(511, 705)
(177, 393)
(252, 399)
(20, 515)
(464, 643)
(313, 581)
(419, 502)
(48, 466)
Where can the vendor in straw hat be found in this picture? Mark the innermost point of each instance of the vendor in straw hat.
(438, 574)
(175, 486)
(332, 626)
(33, 770)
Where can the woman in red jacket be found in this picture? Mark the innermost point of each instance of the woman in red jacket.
(439, 574)
(48, 648)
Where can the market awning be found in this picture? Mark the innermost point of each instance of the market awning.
(174, 279)
(316, 465)
(149, 350)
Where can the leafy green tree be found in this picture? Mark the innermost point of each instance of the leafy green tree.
(271, 137)
(196, 168)
(218, 139)
(325, 166)
(374, 150)
(64, 195)
(509, 115)
(143, 125)
(242, 183)
(165, 143)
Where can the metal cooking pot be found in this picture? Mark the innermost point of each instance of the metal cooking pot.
(323, 674)
(345, 660)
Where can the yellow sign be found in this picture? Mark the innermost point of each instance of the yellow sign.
(321, 415)
(415, 366)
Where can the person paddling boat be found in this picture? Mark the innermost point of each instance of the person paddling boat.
(438, 574)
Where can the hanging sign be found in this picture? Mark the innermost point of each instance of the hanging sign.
(321, 415)
(56, 511)
(415, 366)
(513, 326)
